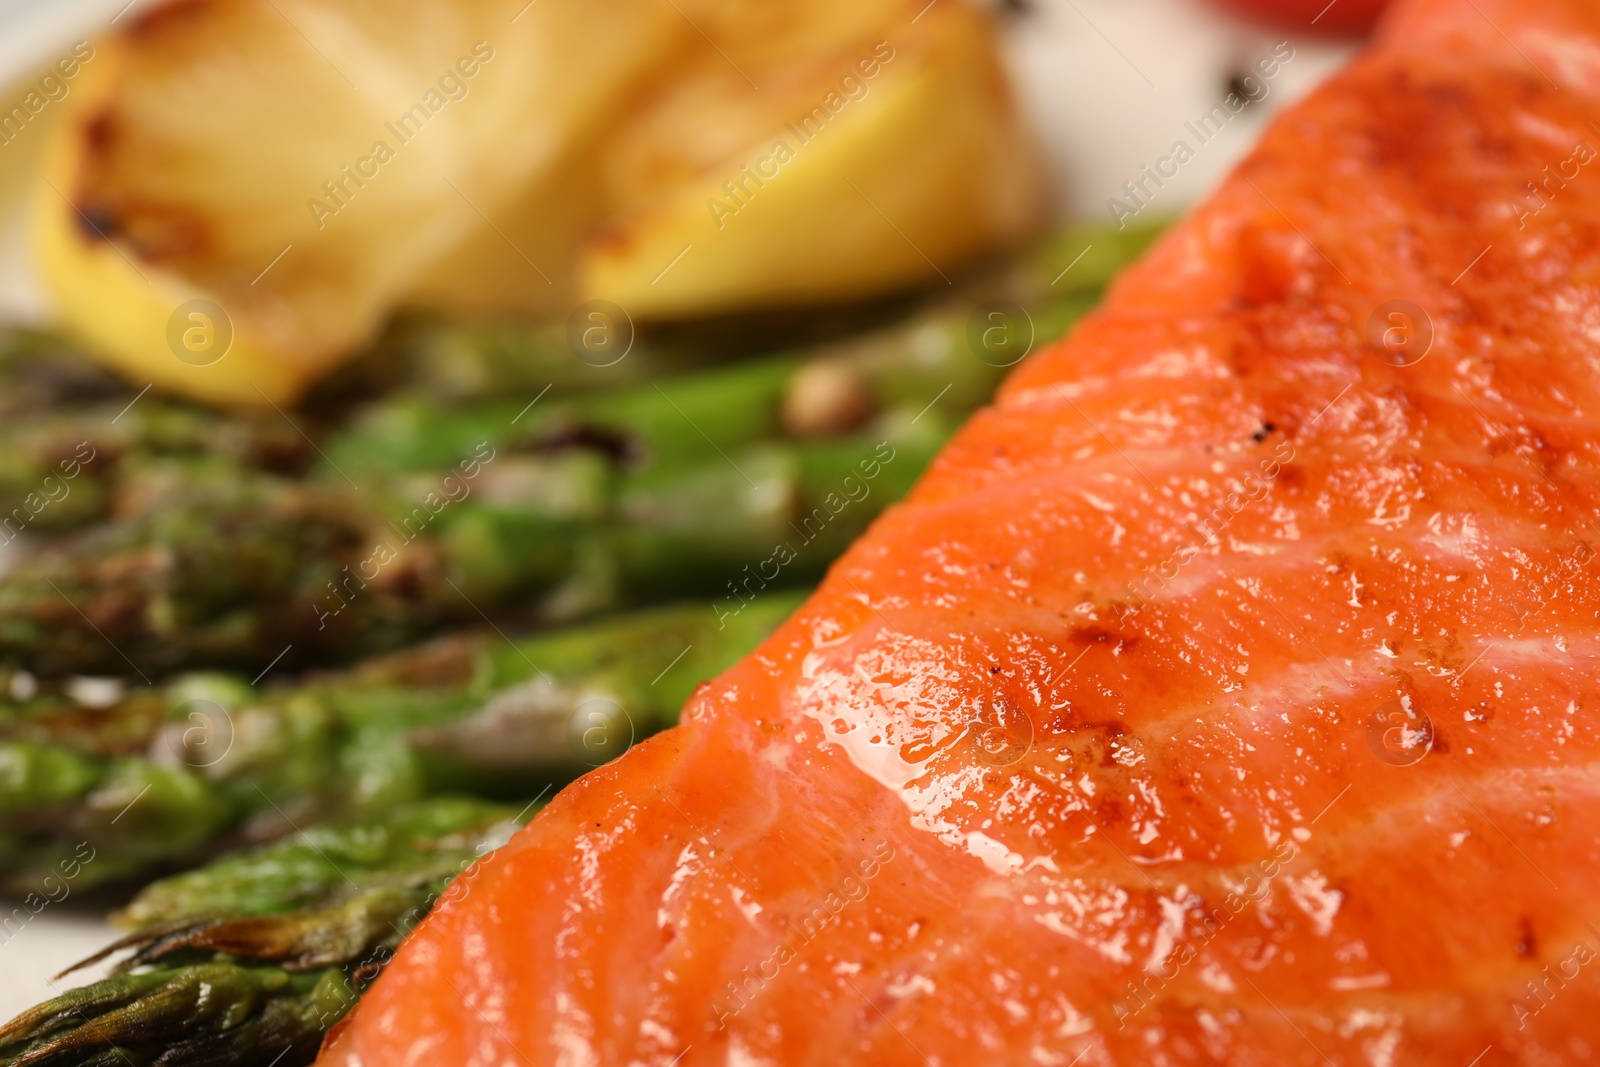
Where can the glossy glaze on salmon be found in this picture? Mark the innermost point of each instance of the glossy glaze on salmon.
(1226, 693)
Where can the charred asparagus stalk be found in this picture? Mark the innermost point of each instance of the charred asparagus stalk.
(252, 958)
(229, 573)
(255, 956)
(574, 505)
(167, 775)
(213, 565)
(204, 1014)
(66, 449)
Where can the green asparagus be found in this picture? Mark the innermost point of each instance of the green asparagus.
(256, 955)
(229, 574)
(205, 1014)
(211, 564)
(167, 775)
(422, 509)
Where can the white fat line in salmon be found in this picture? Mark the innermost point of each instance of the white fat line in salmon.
(1252, 889)
(850, 890)
(1206, 530)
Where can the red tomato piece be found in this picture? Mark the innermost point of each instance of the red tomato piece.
(1341, 17)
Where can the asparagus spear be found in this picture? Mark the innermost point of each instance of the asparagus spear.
(68, 429)
(412, 844)
(255, 956)
(228, 573)
(219, 568)
(56, 405)
(167, 775)
(251, 958)
(211, 564)
(574, 511)
(206, 1014)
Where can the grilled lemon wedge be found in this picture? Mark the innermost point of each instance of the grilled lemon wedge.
(878, 158)
(288, 170)
(244, 190)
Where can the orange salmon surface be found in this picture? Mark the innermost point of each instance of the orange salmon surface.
(1225, 693)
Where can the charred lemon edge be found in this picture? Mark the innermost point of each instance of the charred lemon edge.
(118, 309)
(951, 66)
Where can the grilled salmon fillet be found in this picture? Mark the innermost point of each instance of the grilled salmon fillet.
(1225, 693)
